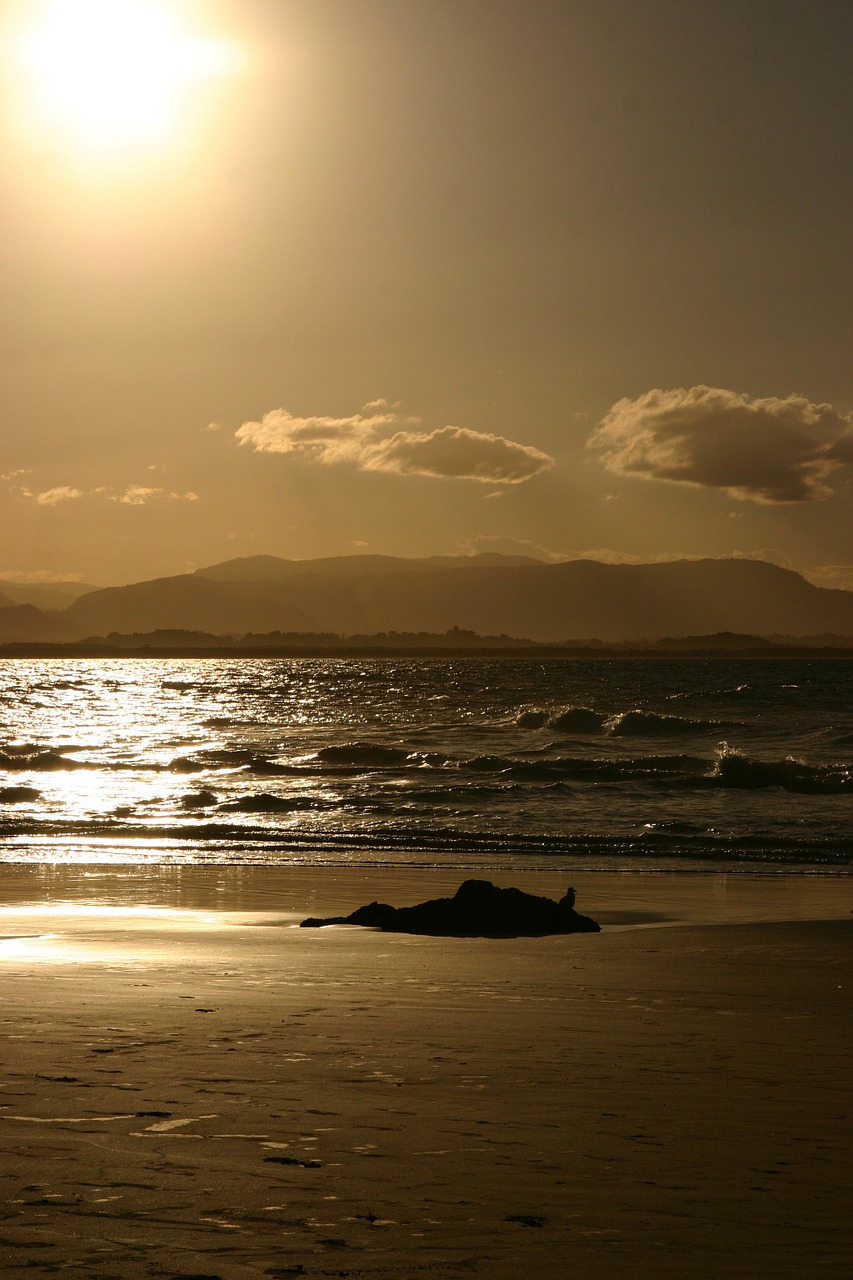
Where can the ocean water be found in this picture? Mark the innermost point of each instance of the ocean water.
(603, 763)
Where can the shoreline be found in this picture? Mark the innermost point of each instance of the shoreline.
(18, 652)
(517, 653)
(194, 1085)
(688, 896)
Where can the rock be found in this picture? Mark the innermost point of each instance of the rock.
(478, 909)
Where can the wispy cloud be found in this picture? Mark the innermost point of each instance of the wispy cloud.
(133, 495)
(838, 576)
(767, 450)
(38, 577)
(136, 495)
(380, 438)
(52, 497)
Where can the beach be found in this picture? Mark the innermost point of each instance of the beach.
(195, 1086)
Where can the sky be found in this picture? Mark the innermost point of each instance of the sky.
(417, 277)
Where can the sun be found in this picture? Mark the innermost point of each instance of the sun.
(112, 75)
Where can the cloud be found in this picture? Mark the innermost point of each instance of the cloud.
(51, 497)
(457, 452)
(38, 577)
(323, 438)
(133, 495)
(379, 404)
(768, 450)
(837, 576)
(380, 438)
(136, 495)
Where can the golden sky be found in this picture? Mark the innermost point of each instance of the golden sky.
(314, 277)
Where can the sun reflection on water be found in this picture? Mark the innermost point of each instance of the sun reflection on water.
(151, 761)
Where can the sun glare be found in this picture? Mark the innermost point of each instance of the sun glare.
(107, 75)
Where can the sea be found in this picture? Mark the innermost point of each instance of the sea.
(606, 763)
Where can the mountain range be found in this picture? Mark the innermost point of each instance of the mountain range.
(496, 595)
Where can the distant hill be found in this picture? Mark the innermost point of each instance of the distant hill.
(44, 595)
(569, 601)
(275, 569)
(26, 622)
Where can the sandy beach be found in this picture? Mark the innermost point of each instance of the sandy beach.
(193, 1086)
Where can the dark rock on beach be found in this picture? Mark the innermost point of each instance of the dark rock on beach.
(478, 909)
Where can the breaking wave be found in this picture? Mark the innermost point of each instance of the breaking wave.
(736, 770)
(638, 723)
(578, 720)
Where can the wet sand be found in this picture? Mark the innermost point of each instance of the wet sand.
(192, 1086)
